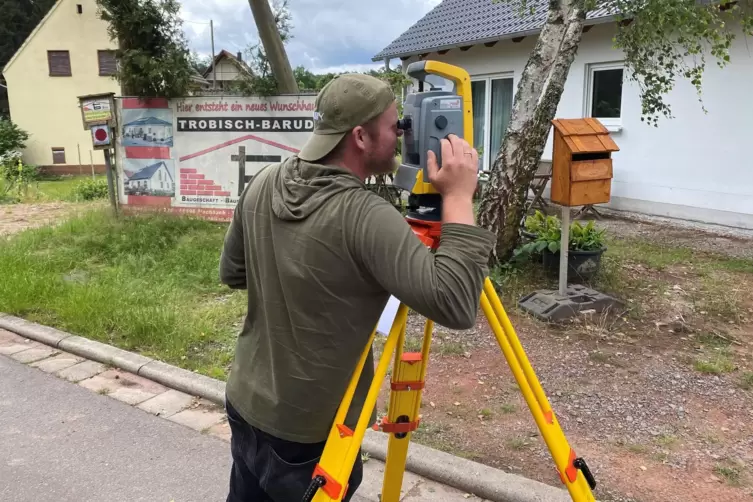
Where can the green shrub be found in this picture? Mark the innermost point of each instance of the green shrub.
(90, 189)
(16, 177)
(12, 137)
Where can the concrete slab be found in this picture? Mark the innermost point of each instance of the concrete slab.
(114, 379)
(9, 350)
(57, 363)
(34, 354)
(132, 396)
(167, 404)
(221, 431)
(199, 418)
(81, 371)
(8, 337)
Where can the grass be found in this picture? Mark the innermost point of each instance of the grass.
(147, 283)
(732, 474)
(746, 380)
(53, 188)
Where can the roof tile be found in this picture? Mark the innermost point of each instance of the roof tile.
(457, 22)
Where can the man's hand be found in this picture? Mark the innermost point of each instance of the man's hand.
(457, 180)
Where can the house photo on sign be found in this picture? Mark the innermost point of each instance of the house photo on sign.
(147, 127)
(145, 153)
(220, 144)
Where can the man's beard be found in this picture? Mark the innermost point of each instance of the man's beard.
(381, 166)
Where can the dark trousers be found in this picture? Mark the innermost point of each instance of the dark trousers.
(270, 469)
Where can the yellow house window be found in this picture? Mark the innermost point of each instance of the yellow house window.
(59, 63)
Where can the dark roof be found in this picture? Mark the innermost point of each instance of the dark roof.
(148, 121)
(147, 172)
(455, 23)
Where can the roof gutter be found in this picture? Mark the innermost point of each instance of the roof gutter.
(507, 36)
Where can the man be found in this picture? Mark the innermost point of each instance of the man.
(320, 255)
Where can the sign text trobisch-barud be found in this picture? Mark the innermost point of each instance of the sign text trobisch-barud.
(247, 124)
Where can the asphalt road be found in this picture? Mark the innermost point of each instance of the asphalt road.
(60, 442)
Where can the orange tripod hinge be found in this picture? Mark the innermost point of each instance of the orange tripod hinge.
(331, 486)
(409, 386)
(571, 470)
(396, 427)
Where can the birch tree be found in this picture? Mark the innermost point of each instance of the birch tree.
(661, 40)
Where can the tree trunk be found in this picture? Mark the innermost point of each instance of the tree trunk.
(273, 47)
(503, 202)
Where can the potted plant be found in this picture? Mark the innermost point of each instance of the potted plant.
(585, 246)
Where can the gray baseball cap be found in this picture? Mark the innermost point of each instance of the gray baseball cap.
(347, 101)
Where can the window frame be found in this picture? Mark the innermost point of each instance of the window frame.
(61, 151)
(99, 63)
(49, 63)
(487, 78)
(613, 124)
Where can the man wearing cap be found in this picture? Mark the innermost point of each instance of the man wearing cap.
(320, 255)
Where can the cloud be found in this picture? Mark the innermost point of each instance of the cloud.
(328, 35)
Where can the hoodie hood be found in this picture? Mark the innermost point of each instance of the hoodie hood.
(301, 187)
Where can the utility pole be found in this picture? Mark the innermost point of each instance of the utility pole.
(214, 68)
(272, 42)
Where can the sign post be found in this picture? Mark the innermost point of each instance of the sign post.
(98, 116)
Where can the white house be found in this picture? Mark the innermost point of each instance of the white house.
(152, 179)
(695, 166)
(147, 131)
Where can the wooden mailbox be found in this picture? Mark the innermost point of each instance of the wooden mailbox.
(581, 162)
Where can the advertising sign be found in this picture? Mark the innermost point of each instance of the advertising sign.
(96, 109)
(196, 155)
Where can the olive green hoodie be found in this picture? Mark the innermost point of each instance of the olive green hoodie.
(320, 255)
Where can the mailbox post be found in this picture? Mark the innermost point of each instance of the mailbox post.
(581, 173)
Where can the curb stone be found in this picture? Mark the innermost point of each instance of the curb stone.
(472, 477)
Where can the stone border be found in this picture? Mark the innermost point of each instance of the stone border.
(472, 477)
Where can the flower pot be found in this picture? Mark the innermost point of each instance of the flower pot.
(581, 265)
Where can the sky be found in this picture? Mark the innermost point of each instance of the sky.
(328, 35)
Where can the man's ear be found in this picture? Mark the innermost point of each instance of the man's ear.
(359, 137)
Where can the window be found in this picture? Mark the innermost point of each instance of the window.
(604, 93)
(492, 108)
(58, 155)
(59, 63)
(107, 63)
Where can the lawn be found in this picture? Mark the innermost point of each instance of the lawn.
(53, 188)
(148, 284)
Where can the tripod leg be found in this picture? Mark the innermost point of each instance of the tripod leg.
(331, 474)
(405, 403)
(573, 471)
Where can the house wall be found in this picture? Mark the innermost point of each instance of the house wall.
(695, 166)
(47, 107)
(226, 71)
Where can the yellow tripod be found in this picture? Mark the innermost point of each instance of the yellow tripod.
(407, 384)
(331, 474)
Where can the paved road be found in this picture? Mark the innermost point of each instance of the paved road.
(62, 442)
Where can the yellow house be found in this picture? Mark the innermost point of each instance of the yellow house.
(69, 54)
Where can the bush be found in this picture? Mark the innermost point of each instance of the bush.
(12, 137)
(90, 189)
(16, 176)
